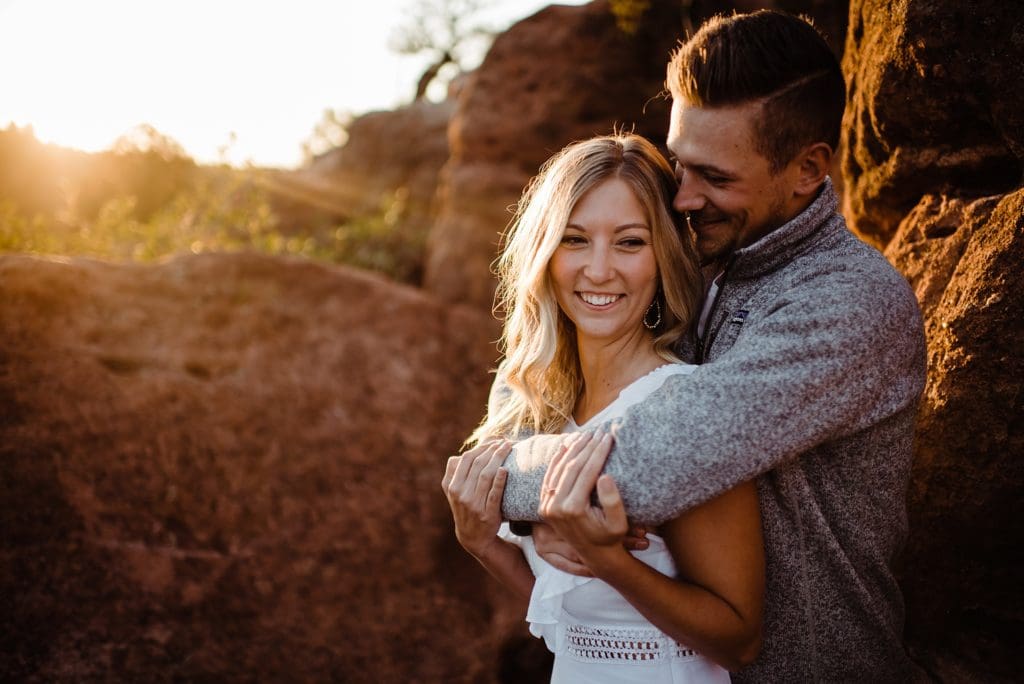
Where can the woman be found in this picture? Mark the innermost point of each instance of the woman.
(598, 284)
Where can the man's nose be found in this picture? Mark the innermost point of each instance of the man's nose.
(688, 198)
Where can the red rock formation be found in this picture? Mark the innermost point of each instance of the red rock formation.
(962, 569)
(389, 151)
(933, 105)
(933, 163)
(227, 467)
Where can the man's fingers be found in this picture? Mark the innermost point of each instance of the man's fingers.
(566, 565)
(639, 531)
(636, 538)
(635, 543)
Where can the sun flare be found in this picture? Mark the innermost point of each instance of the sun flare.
(229, 80)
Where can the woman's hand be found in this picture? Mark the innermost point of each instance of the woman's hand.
(594, 532)
(474, 483)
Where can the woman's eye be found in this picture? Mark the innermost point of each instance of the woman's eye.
(572, 240)
(633, 242)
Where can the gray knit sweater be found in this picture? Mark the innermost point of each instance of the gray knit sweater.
(815, 362)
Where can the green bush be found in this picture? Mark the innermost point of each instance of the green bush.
(145, 199)
(219, 209)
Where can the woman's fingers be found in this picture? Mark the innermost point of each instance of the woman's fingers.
(492, 460)
(449, 472)
(550, 481)
(581, 471)
(493, 505)
(480, 459)
(611, 504)
(462, 470)
(588, 468)
(551, 485)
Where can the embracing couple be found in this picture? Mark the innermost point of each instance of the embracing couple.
(700, 435)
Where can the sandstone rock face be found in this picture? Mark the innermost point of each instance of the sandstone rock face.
(963, 563)
(227, 467)
(933, 105)
(388, 151)
(563, 74)
(933, 170)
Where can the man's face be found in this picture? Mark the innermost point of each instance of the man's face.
(725, 185)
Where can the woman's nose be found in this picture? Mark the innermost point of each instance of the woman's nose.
(599, 267)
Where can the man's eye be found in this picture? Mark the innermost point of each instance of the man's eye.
(717, 180)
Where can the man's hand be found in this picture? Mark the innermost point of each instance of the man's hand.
(559, 553)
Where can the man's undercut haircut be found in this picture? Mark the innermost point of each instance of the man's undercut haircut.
(777, 59)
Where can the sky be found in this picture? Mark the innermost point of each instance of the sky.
(230, 80)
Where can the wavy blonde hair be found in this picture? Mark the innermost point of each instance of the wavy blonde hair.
(541, 367)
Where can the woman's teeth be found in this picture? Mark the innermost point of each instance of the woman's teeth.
(598, 299)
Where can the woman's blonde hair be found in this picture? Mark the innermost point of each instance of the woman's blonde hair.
(541, 366)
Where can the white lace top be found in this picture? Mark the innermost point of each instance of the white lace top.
(595, 634)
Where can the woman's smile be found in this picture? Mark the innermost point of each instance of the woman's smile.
(599, 300)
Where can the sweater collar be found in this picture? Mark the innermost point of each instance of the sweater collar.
(778, 247)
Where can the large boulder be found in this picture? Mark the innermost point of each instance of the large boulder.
(227, 467)
(933, 105)
(933, 161)
(963, 563)
(387, 152)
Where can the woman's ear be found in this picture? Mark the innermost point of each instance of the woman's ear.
(814, 164)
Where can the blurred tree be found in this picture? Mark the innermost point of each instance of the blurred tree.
(330, 132)
(143, 164)
(444, 29)
(145, 138)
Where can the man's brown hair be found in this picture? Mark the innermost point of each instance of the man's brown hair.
(771, 57)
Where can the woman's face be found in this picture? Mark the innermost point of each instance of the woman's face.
(604, 271)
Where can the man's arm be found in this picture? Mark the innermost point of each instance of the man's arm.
(826, 362)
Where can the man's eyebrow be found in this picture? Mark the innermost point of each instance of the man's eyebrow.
(710, 170)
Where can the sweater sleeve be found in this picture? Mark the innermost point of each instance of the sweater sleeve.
(831, 357)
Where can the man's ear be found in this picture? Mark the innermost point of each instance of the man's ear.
(815, 161)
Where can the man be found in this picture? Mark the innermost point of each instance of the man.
(812, 358)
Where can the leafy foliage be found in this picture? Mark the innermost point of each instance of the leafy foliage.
(628, 14)
(146, 201)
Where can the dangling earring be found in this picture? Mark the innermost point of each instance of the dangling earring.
(656, 305)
